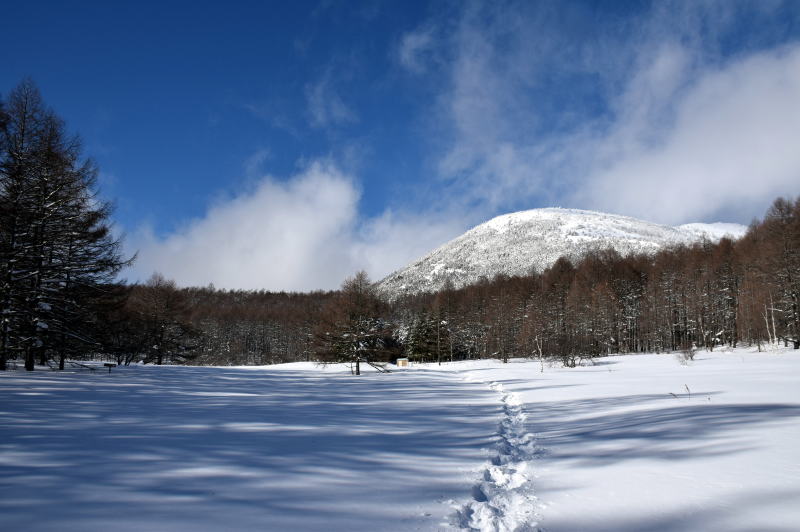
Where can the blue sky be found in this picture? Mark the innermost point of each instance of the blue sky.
(285, 145)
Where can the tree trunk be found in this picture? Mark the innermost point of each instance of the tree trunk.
(3, 356)
(4, 343)
(62, 355)
(438, 348)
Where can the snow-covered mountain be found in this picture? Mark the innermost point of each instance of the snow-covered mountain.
(517, 243)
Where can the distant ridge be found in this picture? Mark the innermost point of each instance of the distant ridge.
(525, 241)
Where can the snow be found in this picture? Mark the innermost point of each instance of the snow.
(643, 442)
(503, 499)
(516, 243)
(291, 447)
(638, 442)
(715, 231)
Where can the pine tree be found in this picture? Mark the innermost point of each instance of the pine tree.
(56, 246)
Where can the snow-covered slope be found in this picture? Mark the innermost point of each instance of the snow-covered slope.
(715, 231)
(517, 243)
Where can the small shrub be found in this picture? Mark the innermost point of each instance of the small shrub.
(685, 356)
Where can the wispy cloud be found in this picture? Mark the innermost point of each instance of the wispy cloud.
(254, 164)
(630, 116)
(415, 49)
(326, 107)
(727, 149)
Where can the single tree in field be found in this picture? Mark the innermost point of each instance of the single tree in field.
(351, 329)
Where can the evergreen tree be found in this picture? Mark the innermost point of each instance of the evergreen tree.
(421, 341)
(56, 247)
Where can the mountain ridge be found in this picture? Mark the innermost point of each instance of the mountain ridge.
(532, 240)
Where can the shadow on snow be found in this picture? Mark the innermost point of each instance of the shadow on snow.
(196, 447)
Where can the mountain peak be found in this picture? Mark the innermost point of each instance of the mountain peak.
(520, 242)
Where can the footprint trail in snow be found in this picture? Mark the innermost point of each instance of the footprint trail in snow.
(503, 501)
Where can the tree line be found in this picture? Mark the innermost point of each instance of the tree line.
(60, 301)
(706, 295)
(703, 296)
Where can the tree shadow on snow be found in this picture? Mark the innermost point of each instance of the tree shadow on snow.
(590, 432)
(193, 448)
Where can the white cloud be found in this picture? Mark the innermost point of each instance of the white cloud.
(281, 236)
(301, 234)
(392, 240)
(673, 131)
(731, 144)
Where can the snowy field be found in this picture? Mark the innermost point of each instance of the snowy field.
(631, 443)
